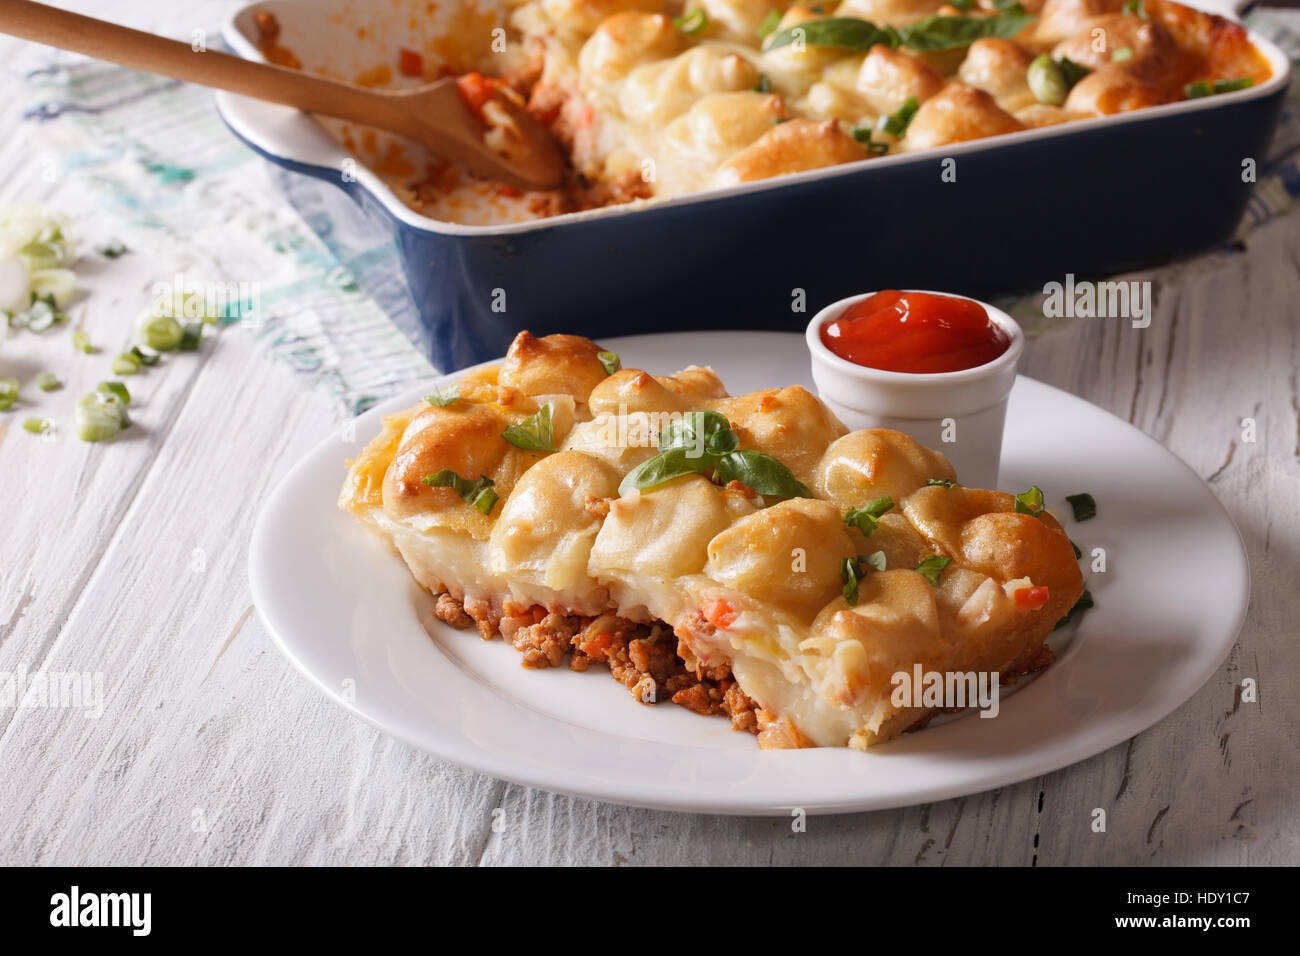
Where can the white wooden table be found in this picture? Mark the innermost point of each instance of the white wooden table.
(213, 750)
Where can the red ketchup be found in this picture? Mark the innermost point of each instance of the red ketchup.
(915, 332)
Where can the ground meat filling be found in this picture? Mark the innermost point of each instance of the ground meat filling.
(644, 658)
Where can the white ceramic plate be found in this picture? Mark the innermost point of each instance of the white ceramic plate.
(1169, 606)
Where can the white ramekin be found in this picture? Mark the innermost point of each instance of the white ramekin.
(958, 413)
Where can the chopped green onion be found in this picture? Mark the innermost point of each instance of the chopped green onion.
(534, 433)
(116, 389)
(191, 337)
(100, 416)
(1134, 8)
(81, 342)
(162, 333)
(55, 285)
(1030, 502)
(38, 426)
(478, 493)
(144, 358)
(442, 397)
(932, 567)
(112, 249)
(48, 382)
(1084, 505)
(126, 364)
(8, 393)
(692, 23)
(1231, 86)
(865, 519)
(611, 362)
(941, 482)
(1122, 54)
(875, 559)
(41, 315)
(769, 24)
(896, 123)
(1198, 89)
(1084, 603)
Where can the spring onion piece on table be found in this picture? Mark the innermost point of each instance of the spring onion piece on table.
(144, 358)
(162, 333)
(1084, 505)
(100, 416)
(191, 337)
(126, 364)
(48, 382)
(81, 342)
(8, 393)
(38, 426)
(116, 389)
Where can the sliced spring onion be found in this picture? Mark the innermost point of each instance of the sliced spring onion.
(1084, 505)
(932, 567)
(112, 249)
(896, 123)
(81, 342)
(59, 283)
(40, 316)
(116, 389)
(38, 426)
(126, 364)
(100, 416)
(1122, 54)
(1030, 502)
(875, 559)
(941, 482)
(191, 337)
(8, 393)
(1230, 86)
(48, 382)
(162, 333)
(144, 358)
(610, 361)
(692, 23)
(534, 433)
(1198, 89)
(1134, 8)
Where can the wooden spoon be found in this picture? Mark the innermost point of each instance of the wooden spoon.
(522, 151)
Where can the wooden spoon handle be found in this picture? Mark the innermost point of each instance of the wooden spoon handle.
(155, 54)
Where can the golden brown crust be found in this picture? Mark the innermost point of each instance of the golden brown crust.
(792, 147)
(553, 365)
(957, 114)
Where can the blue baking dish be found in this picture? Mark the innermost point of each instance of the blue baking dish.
(1089, 198)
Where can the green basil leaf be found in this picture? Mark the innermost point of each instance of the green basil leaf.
(932, 567)
(1073, 72)
(692, 23)
(942, 482)
(761, 472)
(950, 33)
(611, 361)
(850, 575)
(769, 24)
(663, 467)
(534, 433)
(848, 33)
(865, 519)
(1084, 603)
(701, 434)
(875, 559)
(1084, 505)
(1030, 502)
(443, 397)
(478, 493)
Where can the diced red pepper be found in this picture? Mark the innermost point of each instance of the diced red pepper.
(718, 613)
(1031, 599)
